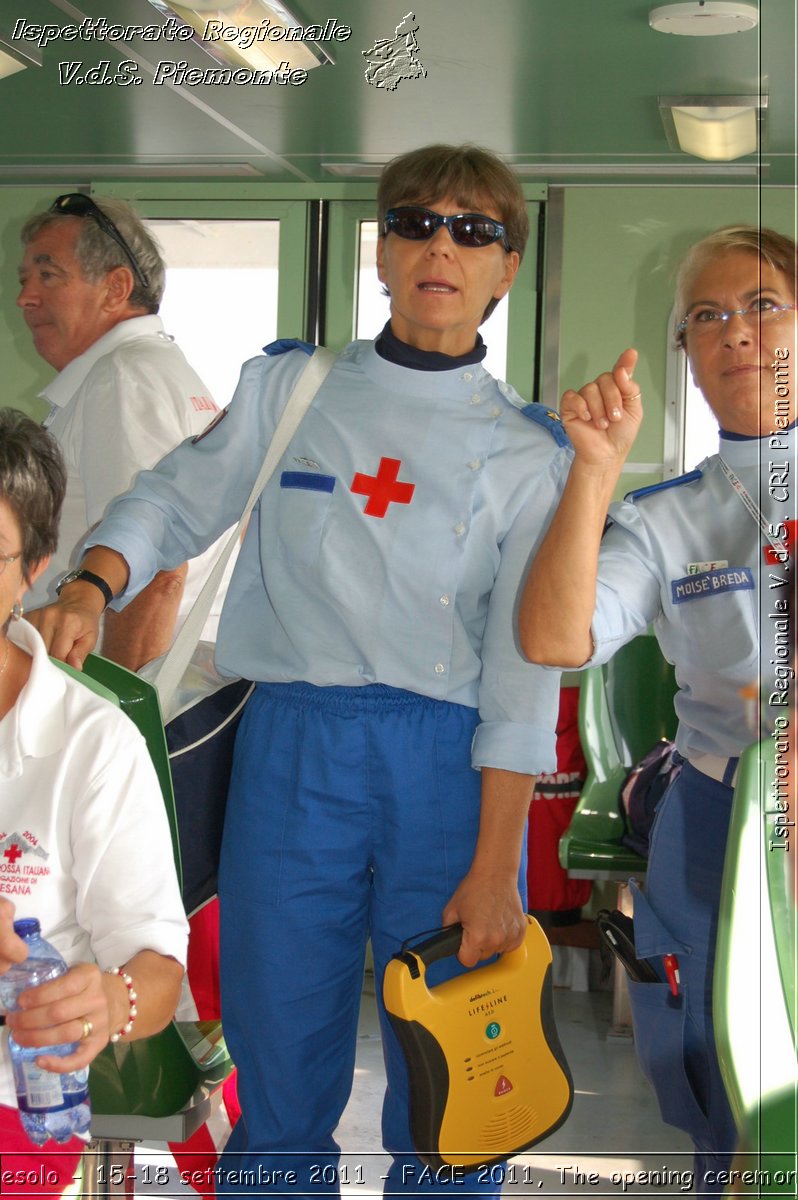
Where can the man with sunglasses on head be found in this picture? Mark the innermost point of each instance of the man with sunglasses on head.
(91, 281)
(385, 762)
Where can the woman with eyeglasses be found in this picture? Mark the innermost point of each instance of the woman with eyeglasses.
(85, 847)
(385, 763)
(704, 559)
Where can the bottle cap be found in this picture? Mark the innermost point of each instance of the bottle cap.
(27, 927)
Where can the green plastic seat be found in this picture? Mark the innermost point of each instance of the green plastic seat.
(625, 706)
(160, 1088)
(756, 973)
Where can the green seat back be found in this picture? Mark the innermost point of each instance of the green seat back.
(159, 1075)
(625, 706)
(640, 686)
(754, 988)
(152, 1077)
(92, 684)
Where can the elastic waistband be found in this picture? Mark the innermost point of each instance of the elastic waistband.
(722, 770)
(372, 697)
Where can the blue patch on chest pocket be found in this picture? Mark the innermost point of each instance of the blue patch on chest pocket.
(712, 583)
(307, 481)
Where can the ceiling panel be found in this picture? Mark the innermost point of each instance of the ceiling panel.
(561, 86)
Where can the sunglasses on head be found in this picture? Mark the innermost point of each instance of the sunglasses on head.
(417, 224)
(76, 204)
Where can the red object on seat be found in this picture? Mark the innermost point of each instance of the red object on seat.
(553, 803)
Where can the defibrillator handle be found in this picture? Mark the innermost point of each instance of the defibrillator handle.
(443, 944)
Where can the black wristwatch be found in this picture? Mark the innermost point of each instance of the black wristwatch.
(90, 577)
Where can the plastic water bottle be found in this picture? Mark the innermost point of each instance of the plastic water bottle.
(50, 1105)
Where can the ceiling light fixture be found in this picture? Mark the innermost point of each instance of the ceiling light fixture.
(259, 34)
(16, 57)
(580, 170)
(715, 128)
(704, 18)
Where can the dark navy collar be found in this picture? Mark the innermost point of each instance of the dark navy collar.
(747, 437)
(389, 347)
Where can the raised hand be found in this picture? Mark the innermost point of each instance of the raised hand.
(602, 418)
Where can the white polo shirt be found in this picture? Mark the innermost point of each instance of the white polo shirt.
(84, 841)
(116, 409)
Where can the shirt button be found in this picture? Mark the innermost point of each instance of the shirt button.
(495, 412)
(475, 464)
(444, 600)
(467, 376)
(439, 668)
(476, 399)
(459, 528)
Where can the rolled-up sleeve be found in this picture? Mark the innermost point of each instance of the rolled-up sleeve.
(628, 587)
(518, 700)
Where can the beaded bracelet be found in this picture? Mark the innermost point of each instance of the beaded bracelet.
(131, 999)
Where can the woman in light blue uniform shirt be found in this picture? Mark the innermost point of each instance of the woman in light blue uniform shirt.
(704, 559)
(385, 763)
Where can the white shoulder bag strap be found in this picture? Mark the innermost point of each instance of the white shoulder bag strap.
(174, 664)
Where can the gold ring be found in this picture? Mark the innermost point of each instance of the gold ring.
(88, 1028)
(636, 396)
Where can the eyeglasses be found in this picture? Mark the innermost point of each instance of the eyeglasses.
(417, 224)
(76, 204)
(706, 320)
(5, 559)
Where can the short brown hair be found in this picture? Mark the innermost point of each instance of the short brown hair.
(32, 482)
(775, 249)
(471, 175)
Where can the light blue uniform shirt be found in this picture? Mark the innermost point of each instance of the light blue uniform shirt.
(690, 559)
(388, 547)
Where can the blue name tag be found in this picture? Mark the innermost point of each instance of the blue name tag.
(307, 480)
(712, 583)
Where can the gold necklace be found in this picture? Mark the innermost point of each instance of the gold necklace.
(5, 660)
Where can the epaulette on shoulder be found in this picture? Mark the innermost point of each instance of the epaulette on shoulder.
(549, 420)
(689, 477)
(283, 345)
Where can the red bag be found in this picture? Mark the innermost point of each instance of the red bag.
(553, 803)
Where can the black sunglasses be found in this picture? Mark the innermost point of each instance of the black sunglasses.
(415, 223)
(76, 204)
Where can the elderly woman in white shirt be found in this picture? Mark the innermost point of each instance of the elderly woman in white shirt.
(78, 794)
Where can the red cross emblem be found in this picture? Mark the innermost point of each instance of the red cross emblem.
(789, 541)
(383, 488)
(12, 853)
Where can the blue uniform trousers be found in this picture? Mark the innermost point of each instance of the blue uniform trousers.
(353, 813)
(678, 914)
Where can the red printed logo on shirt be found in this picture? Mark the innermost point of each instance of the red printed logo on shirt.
(383, 488)
(204, 404)
(19, 870)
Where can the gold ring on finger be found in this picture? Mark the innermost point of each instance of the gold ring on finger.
(88, 1028)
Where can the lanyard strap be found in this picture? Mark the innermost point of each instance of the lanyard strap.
(782, 553)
